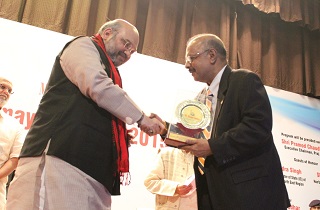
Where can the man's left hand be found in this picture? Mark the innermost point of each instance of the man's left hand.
(199, 148)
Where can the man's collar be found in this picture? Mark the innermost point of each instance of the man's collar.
(215, 82)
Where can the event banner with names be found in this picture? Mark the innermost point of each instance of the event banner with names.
(296, 130)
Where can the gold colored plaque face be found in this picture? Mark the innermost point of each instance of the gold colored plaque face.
(193, 114)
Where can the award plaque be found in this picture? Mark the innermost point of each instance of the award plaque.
(193, 114)
(193, 120)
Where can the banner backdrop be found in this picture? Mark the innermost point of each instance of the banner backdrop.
(27, 54)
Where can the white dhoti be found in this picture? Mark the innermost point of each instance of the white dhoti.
(49, 183)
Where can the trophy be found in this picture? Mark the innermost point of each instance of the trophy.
(192, 120)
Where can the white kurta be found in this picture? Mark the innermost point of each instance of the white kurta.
(172, 167)
(11, 140)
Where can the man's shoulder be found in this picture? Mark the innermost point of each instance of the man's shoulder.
(80, 39)
(242, 71)
(235, 73)
(78, 46)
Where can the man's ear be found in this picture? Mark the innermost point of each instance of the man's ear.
(106, 33)
(213, 55)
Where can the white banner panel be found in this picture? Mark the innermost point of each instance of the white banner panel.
(296, 130)
(27, 55)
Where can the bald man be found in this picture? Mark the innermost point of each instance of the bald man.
(75, 155)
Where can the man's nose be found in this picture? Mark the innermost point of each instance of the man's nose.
(187, 64)
(128, 54)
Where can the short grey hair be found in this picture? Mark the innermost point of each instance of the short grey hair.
(210, 41)
(113, 24)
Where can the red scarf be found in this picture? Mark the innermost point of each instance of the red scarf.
(119, 132)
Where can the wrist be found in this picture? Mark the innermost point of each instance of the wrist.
(140, 119)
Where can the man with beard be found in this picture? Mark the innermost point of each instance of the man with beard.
(75, 155)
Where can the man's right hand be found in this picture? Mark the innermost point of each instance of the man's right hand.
(151, 126)
(164, 131)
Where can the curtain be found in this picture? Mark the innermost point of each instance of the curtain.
(285, 55)
(277, 39)
(304, 12)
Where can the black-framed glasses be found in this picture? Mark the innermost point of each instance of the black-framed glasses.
(191, 58)
(128, 45)
(5, 87)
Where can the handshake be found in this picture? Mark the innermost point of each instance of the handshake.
(152, 125)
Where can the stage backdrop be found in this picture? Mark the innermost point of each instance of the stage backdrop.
(27, 54)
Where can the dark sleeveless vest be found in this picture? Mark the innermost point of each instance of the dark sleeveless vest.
(79, 130)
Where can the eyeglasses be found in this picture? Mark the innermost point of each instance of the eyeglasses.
(4, 87)
(191, 58)
(128, 45)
